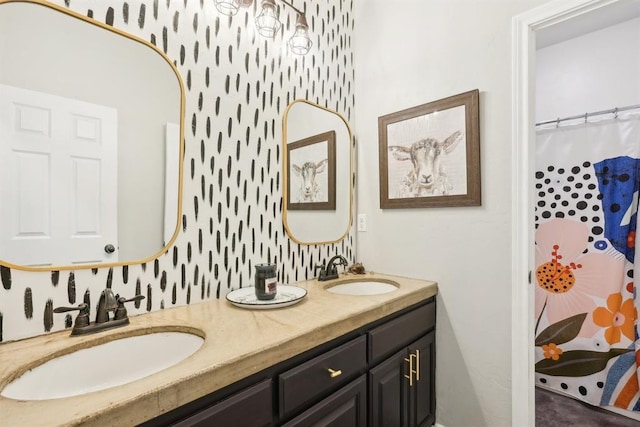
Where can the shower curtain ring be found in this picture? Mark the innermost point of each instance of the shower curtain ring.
(615, 113)
(558, 122)
(585, 117)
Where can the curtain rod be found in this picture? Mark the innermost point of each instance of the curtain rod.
(585, 116)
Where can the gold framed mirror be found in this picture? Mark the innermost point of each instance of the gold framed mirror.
(91, 142)
(317, 174)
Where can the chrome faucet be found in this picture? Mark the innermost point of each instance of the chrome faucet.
(106, 304)
(331, 271)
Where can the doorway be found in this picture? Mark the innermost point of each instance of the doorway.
(556, 19)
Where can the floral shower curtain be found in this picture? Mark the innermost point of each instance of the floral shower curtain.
(586, 301)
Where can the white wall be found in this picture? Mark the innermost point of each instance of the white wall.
(594, 72)
(408, 53)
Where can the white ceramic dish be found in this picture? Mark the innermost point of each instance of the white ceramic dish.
(246, 298)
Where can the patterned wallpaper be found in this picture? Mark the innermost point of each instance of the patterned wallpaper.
(238, 85)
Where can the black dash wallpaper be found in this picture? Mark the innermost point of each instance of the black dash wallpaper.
(238, 86)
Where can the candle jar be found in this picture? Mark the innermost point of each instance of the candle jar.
(266, 281)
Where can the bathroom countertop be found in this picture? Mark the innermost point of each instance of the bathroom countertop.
(238, 343)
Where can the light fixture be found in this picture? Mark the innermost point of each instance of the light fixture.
(300, 43)
(228, 7)
(268, 21)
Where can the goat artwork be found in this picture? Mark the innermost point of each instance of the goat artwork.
(309, 190)
(428, 175)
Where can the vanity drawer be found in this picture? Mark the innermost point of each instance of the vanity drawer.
(311, 380)
(345, 407)
(252, 407)
(401, 331)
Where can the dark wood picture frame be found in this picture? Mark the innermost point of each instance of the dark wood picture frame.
(422, 172)
(297, 199)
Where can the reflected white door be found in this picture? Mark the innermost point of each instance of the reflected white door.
(58, 179)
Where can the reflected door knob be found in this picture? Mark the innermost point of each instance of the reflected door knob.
(109, 248)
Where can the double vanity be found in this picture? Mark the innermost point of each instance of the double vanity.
(352, 355)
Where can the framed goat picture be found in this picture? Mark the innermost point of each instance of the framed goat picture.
(311, 173)
(430, 154)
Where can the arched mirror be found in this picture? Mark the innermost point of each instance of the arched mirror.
(318, 165)
(90, 142)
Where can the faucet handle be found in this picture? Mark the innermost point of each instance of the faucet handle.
(122, 300)
(80, 307)
(83, 314)
(121, 311)
(322, 268)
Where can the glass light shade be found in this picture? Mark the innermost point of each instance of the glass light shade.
(228, 7)
(267, 22)
(300, 43)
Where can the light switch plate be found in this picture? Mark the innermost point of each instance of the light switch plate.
(362, 222)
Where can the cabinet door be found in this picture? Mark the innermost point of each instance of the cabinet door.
(252, 407)
(397, 401)
(388, 390)
(422, 401)
(345, 408)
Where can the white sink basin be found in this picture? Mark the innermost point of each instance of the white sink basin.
(103, 366)
(363, 287)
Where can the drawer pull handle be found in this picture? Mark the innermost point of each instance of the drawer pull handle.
(334, 373)
(413, 369)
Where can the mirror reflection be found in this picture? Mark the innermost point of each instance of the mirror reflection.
(90, 142)
(317, 170)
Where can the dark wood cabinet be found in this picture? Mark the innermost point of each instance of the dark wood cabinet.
(309, 381)
(402, 388)
(249, 408)
(400, 331)
(422, 394)
(388, 392)
(380, 375)
(346, 407)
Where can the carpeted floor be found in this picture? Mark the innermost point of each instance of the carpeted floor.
(555, 410)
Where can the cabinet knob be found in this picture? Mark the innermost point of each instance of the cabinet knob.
(334, 373)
